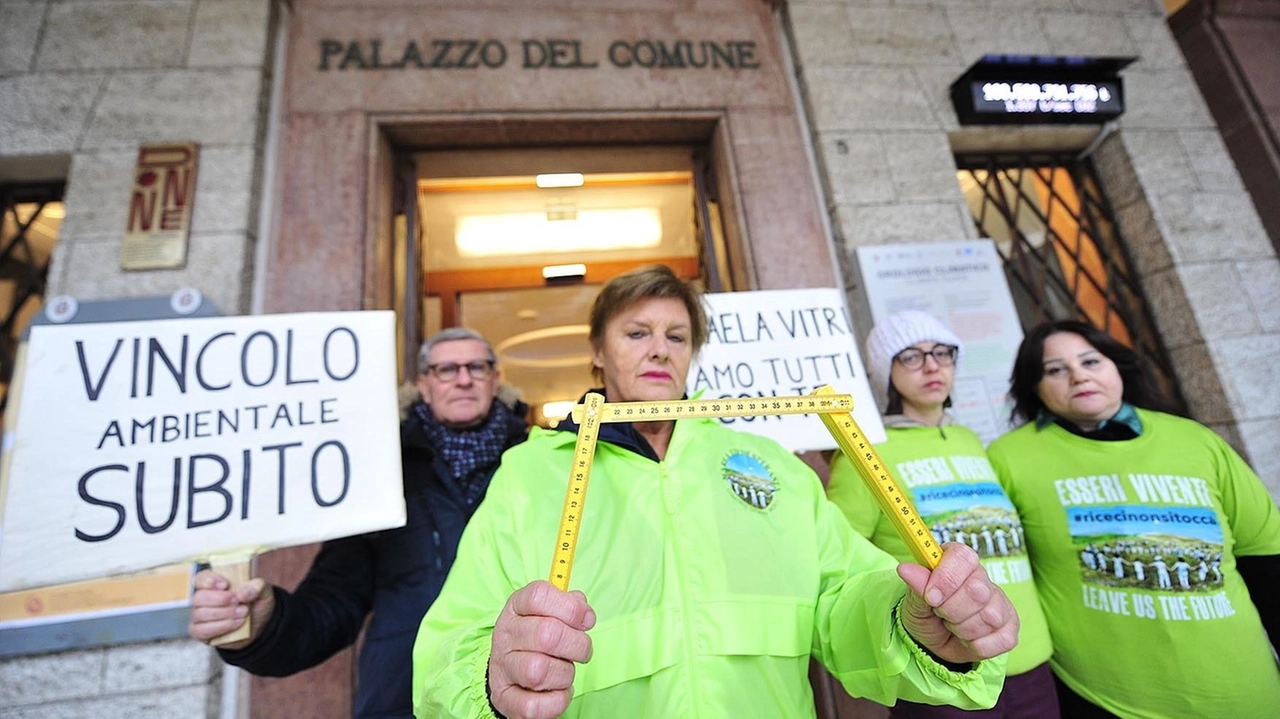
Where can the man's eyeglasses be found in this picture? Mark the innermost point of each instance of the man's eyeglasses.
(448, 371)
(913, 359)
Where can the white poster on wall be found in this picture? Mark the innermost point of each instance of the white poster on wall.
(140, 444)
(774, 343)
(963, 284)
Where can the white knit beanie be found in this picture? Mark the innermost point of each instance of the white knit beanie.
(896, 333)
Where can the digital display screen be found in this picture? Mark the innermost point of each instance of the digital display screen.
(1026, 89)
(1039, 98)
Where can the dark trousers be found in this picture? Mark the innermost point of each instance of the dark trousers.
(1030, 695)
(1075, 706)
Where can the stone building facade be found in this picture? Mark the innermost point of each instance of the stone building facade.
(831, 129)
(82, 86)
(877, 78)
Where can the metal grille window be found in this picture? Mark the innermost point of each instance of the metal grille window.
(1062, 251)
(30, 216)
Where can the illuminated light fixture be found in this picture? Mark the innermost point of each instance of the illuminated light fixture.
(555, 272)
(559, 179)
(557, 410)
(531, 233)
(514, 350)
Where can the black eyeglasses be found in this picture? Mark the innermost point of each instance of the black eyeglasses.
(913, 359)
(448, 371)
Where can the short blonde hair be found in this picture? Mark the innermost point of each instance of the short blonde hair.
(643, 283)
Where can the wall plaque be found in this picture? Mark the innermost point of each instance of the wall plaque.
(160, 206)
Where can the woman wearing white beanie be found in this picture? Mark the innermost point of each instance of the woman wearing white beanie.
(911, 359)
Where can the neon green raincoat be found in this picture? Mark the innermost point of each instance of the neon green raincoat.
(714, 575)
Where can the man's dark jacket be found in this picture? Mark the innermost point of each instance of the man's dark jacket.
(396, 574)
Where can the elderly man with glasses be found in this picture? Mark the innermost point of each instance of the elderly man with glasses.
(451, 443)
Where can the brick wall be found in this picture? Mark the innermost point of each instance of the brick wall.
(155, 680)
(83, 84)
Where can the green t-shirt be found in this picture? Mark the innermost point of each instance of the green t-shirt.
(1134, 545)
(955, 490)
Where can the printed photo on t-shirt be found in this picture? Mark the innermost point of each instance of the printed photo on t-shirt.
(1175, 549)
(977, 514)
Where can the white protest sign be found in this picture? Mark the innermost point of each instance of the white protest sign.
(963, 284)
(140, 444)
(781, 343)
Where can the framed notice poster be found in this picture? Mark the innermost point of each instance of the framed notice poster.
(963, 284)
(136, 607)
(160, 206)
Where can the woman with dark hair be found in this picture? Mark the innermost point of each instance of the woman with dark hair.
(1119, 501)
(714, 566)
(1138, 390)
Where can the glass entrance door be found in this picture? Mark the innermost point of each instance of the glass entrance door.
(516, 243)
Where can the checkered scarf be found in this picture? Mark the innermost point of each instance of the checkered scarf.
(470, 452)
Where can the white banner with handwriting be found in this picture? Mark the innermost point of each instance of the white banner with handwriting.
(772, 343)
(140, 444)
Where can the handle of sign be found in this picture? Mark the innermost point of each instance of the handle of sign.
(575, 497)
(893, 502)
(237, 572)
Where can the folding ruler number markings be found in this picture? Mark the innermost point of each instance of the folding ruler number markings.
(834, 410)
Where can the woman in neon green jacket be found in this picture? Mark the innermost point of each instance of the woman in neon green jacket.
(714, 566)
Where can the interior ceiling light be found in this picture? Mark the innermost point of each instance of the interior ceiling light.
(559, 179)
(531, 233)
(531, 350)
(551, 272)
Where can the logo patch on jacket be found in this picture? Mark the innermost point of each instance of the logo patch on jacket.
(750, 479)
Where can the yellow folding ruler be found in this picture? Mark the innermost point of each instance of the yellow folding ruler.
(896, 505)
(576, 496)
(834, 409)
